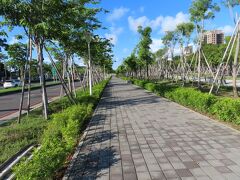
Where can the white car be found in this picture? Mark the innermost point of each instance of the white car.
(12, 83)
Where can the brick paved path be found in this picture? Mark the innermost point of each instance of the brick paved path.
(137, 135)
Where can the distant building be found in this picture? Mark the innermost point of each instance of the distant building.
(213, 37)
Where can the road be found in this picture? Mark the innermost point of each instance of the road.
(9, 104)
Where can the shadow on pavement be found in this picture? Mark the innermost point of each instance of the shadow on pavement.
(93, 164)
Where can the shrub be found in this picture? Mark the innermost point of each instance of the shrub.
(227, 109)
(150, 86)
(58, 141)
(192, 98)
(59, 138)
(139, 83)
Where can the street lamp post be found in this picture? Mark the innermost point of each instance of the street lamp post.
(88, 39)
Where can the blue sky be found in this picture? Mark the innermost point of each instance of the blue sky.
(126, 15)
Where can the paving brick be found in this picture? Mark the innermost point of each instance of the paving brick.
(184, 173)
(134, 134)
(157, 175)
(169, 174)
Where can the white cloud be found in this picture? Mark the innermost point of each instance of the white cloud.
(113, 35)
(156, 22)
(144, 21)
(227, 29)
(156, 44)
(167, 23)
(134, 23)
(117, 13)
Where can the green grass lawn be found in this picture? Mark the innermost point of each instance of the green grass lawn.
(224, 91)
(14, 136)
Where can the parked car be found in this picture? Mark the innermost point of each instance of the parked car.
(12, 83)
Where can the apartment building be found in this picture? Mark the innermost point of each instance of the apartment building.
(213, 37)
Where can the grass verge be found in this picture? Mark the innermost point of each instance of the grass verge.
(14, 136)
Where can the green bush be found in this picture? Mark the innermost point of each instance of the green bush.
(57, 142)
(59, 138)
(227, 109)
(162, 89)
(139, 82)
(192, 98)
(150, 86)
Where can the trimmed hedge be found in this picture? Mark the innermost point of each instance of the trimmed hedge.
(60, 137)
(192, 98)
(225, 109)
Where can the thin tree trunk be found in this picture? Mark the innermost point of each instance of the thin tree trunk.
(147, 71)
(68, 73)
(5, 71)
(42, 79)
(23, 72)
(90, 70)
(64, 85)
(63, 77)
(235, 65)
(29, 77)
(199, 55)
(73, 77)
(84, 79)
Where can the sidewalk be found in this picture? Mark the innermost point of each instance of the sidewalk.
(137, 135)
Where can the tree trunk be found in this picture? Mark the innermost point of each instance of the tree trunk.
(68, 74)
(90, 70)
(5, 71)
(63, 77)
(23, 76)
(147, 69)
(182, 67)
(29, 77)
(199, 68)
(39, 47)
(235, 66)
(64, 85)
(21, 99)
(73, 77)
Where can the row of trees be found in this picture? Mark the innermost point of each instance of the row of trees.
(208, 62)
(137, 64)
(14, 61)
(64, 30)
